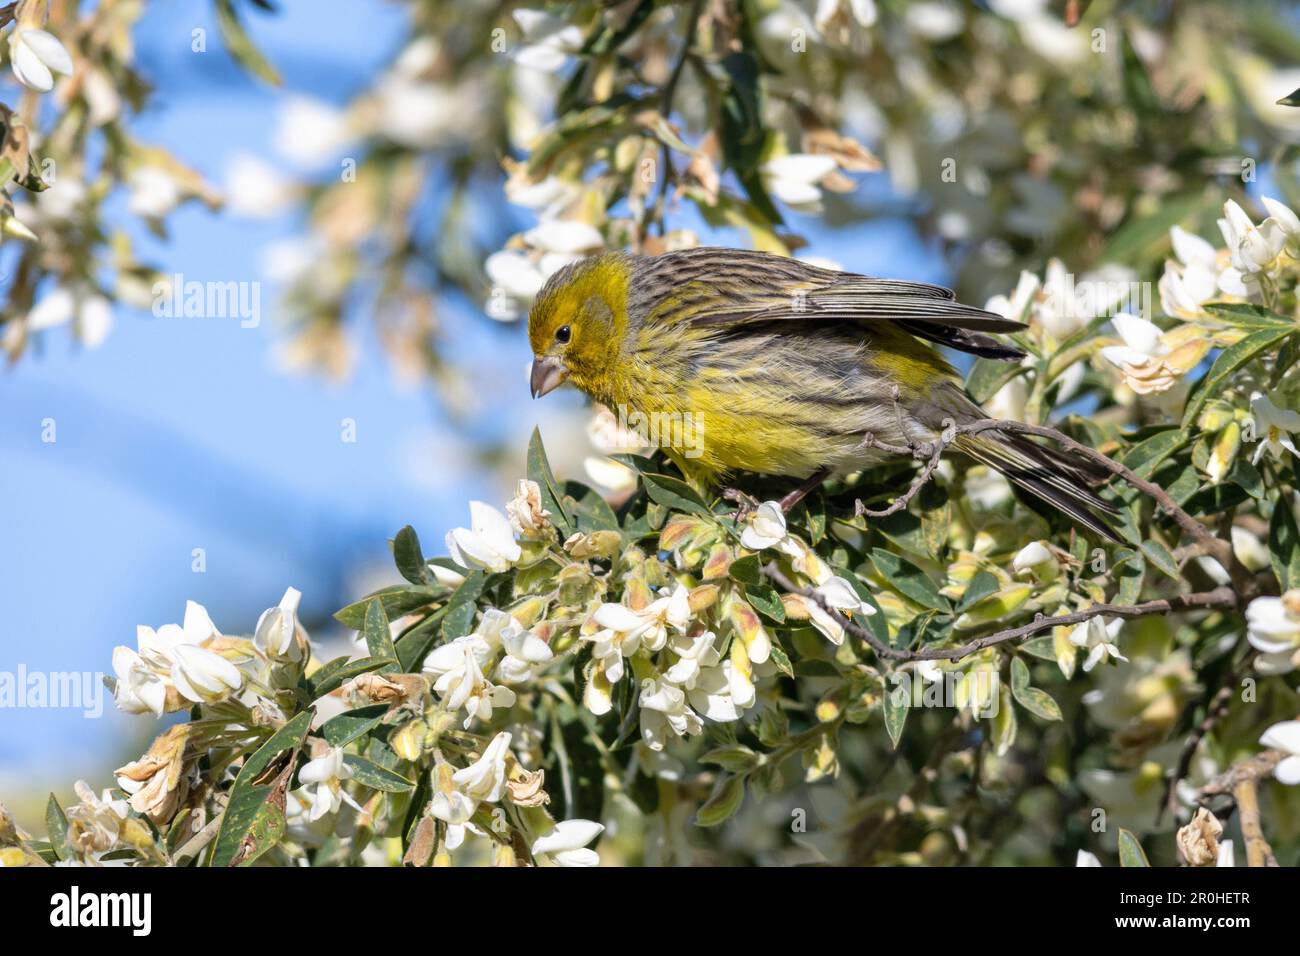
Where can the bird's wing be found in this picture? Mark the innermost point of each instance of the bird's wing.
(742, 288)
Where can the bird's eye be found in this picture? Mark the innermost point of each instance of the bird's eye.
(562, 334)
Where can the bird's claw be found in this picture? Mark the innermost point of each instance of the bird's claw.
(747, 504)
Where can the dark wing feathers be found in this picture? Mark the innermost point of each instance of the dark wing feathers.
(757, 287)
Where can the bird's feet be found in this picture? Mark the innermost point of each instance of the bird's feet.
(746, 504)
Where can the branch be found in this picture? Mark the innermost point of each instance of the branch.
(1220, 597)
(1242, 782)
(665, 110)
(1215, 711)
(1206, 542)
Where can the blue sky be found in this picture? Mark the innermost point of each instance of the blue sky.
(180, 434)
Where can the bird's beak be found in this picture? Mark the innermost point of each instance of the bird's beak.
(548, 374)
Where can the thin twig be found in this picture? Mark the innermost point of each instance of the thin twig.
(1258, 852)
(666, 109)
(1215, 711)
(1220, 597)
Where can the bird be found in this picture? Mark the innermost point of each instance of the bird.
(789, 368)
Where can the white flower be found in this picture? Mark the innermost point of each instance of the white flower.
(663, 709)
(565, 844)
(322, 779)
(527, 516)
(278, 626)
(1033, 556)
(794, 179)
(457, 669)
(171, 658)
(1273, 427)
(1253, 248)
(721, 693)
(1142, 356)
(766, 528)
(515, 274)
(837, 594)
(614, 477)
(1191, 281)
(418, 114)
(524, 650)
(93, 314)
(1273, 629)
(1285, 218)
(485, 779)
(693, 654)
(35, 56)
(934, 21)
(203, 676)
(95, 823)
(1285, 737)
(566, 237)
(548, 40)
(154, 193)
(648, 627)
(1226, 856)
(489, 543)
(310, 132)
(141, 688)
(1099, 637)
(1086, 859)
(255, 188)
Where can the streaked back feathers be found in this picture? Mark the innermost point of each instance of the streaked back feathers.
(787, 364)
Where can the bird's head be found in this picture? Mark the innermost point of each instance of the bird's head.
(577, 324)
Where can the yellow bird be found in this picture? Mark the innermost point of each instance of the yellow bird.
(787, 366)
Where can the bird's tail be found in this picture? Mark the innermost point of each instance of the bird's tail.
(1062, 480)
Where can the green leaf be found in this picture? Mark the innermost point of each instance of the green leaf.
(781, 659)
(344, 728)
(1246, 315)
(737, 758)
(266, 830)
(1044, 648)
(240, 46)
(988, 375)
(1005, 725)
(908, 579)
(766, 601)
(370, 774)
(675, 494)
(1229, 360)
(1147, 455)
(408, 556)
(1159, 555)
(726, 799)
(1130, 850)
(1284, 545)
(398, 601)
(1037, 702)
(378, 638)
(332, 676)
(247, 797)
(896, 704)
(590, 511)
(981, 586)
(1130, 571)
(539, 470)
(56, 827)
(747, 570)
